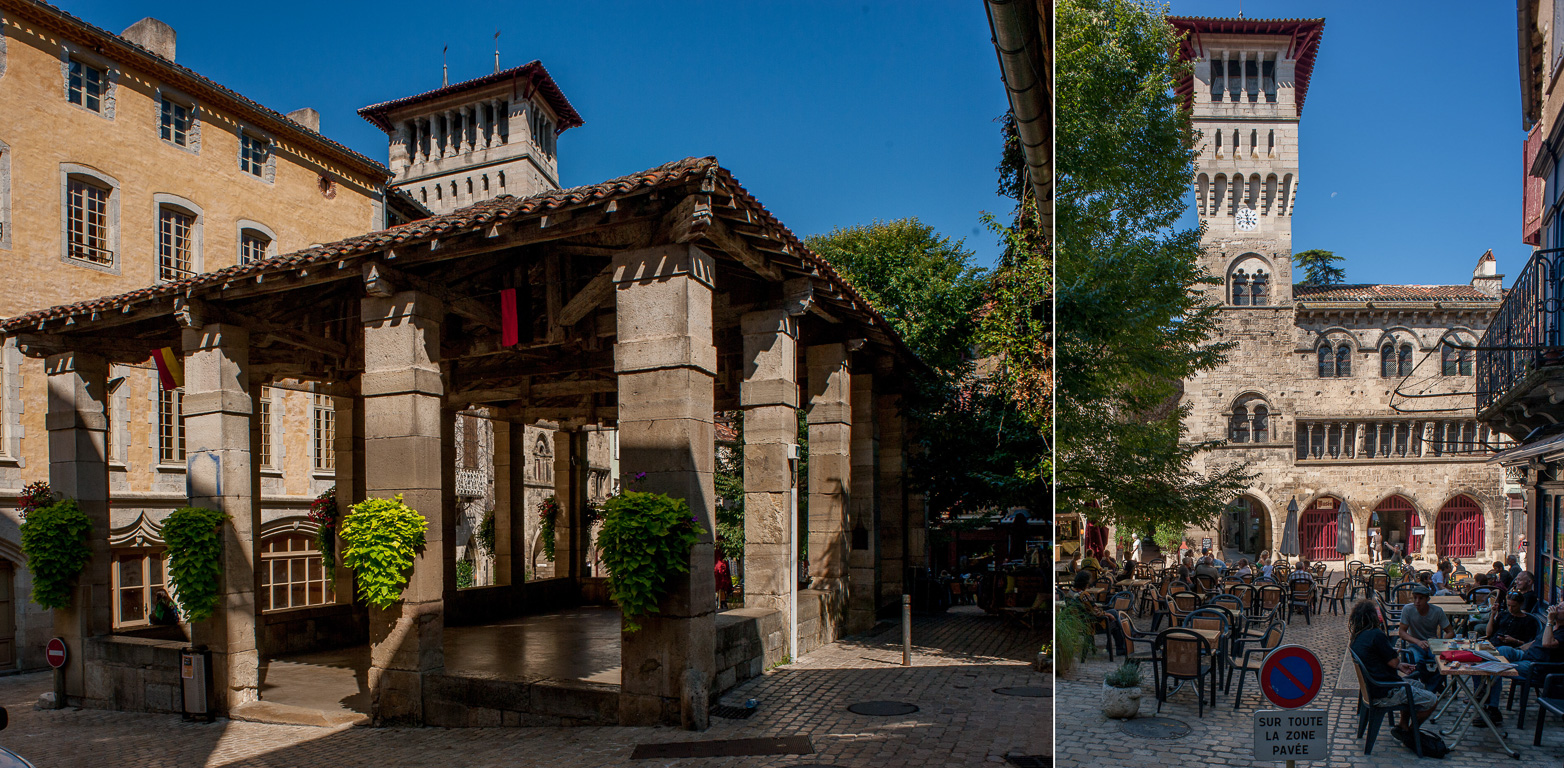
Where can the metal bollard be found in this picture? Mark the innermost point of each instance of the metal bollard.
(906, 630)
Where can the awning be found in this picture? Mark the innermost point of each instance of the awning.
(1521, 453)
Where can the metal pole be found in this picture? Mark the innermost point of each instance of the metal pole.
(59, 687)
(906, 630)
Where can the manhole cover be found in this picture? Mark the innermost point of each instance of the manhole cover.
(882, 708)
(1156, 728)
(1030, 761)
(1030, 691)
(732, 713)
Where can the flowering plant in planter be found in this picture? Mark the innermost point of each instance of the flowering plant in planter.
(34, 496)
(548, 515)
(325, 514)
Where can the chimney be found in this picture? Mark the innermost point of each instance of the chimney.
(1486, 278)
(306, 117)
(153, 35)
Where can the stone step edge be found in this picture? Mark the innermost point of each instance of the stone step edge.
(274, 713)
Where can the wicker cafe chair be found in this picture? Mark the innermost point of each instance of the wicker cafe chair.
(1402, 594)
(1137, 644)
(1204, 584)
(1380, 582)
(1339, 595)
(1122, 601)
(1245, 594)
(1300, 596)
(1180, 604)
(1213, 619)
(1246, 660)
(1271, 598)
(1182, 654)
(1370, 717)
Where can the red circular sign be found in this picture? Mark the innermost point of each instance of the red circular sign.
(55, 653)
(1291, 676)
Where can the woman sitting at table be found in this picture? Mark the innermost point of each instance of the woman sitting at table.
(1383, 665)
(1544, 650)
(1075, 563)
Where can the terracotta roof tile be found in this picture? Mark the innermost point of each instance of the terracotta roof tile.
(1371, 292)
(1306, 34)
(532, 71)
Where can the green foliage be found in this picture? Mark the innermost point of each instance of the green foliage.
(980, 451)
(1072, 633)
(195, 559)
(464, 574)
(645, 539)
(326, 515)
(485, 535)
(730, 493)
(1126, 675)
(1132, 320)
(1319, 267)
(1016, 326)
(1168, 535)
(54, 539)
(548, 515)
(923, 283)
(380, 538)
(1393, 570)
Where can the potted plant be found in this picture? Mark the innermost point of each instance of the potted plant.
(1121, 691)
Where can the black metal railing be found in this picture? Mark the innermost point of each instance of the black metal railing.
(1526, 332)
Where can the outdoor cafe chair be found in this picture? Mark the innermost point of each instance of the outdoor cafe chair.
(1183, 654)
(1204, 584)
(1549, 699)
(1122, 601)
(1245, 594)
(1353, 566)
(1246, 660)
(1300, 596)
(1370, 717)
(1212, 618)
(1137, 644)
(1233, 603)
(1538, 674)
(1479, 595)
(1379, 581)
(1270, 599)
(1339, 595)
(1180, 604)
(1402, 594)
(1144, 571)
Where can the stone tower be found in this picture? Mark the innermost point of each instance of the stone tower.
(472, 141)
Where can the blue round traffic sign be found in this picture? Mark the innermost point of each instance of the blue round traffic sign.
(1291, 676)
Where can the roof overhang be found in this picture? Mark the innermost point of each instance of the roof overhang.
(1305, 37)
(1521, 454)
(525, 81)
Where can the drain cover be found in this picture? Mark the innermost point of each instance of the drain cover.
(1030, 691)
(882, 708)
(1030, 761)
(1156, 728)
(732, 713)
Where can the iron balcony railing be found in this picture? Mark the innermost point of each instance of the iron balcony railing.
(1528, 331)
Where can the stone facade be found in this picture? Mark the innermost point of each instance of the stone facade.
(1337, 395)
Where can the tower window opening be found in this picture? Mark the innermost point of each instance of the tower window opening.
(1254, 141)
(1259, 289)
(1252, 79)
(1268, 78)
(1218, 193)
(1216, 79)
(1270, 143)
(1234, 77)
(1240, 289)
(1219, 143)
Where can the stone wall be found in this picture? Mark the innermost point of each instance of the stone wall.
(749, 641)
(133, 674)
(313, 629)
(469, 702)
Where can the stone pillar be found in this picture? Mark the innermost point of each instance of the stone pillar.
(78, 469)
(917, 506)
(830, 474)
(567, 533)
(769, 397)
(399, 148)
(506, 489)
(464, 120)
(667, 364)
(219, 474)
(403, 430)
(482, 108)
(501, 122)
(863, 557)
(349, 448)
(893, 501)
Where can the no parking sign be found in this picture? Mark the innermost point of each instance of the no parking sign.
(1291, 676)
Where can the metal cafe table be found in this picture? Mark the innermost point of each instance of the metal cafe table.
(1469, 687)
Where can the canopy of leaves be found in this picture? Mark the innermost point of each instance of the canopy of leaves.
(1319, 267)
(923, 283)
(195, 559)
(380, 538)
(54, 539)
(730, 493)
(1132, 324)
(645, 539)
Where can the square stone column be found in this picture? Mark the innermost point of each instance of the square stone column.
(404, 425)
(78, 469)
(769, 397)
(893, 501)
(667, 365)
(219, 474)
(830, 479)
(863, 509)
(569, 546)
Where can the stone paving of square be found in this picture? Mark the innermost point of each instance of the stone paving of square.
(1225, 737)
(958, 659)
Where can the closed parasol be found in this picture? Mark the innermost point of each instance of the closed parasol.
(1344, 531)
(1289, 545)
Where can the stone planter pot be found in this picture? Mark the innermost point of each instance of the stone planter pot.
(1042, 663)
(1121, 703)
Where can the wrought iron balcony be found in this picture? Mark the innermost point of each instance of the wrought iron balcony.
(1523, 347)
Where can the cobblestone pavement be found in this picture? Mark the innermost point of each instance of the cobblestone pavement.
(1225, 737)
(958, 660)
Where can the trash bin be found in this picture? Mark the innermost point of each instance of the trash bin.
(195, 680)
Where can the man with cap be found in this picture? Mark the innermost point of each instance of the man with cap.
(1420, 622)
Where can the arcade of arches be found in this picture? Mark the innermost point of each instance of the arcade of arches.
(1394, 524)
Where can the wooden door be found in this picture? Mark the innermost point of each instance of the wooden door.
(7, 616)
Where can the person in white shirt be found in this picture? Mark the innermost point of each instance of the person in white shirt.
(1243, 568)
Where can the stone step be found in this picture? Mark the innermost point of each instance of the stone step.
(287, 714)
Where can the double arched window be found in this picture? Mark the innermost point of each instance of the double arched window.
(1250, 283)
(1250, 421)
(1456, 358)
(1334, 361)
(1395, 360)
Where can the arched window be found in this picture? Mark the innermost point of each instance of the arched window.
(1259, 289)
(1327, 361)
(1456, 360)
(1240, 289)
(292, 573)
(1219, 143)
(1405, 358)
(1250, 420)
(1387, 361)
(1262, 424)
(1343, 360)
(1254, 140)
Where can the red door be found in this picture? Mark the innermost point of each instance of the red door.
(1317, 530)
(1400, 504)
(1460, 528)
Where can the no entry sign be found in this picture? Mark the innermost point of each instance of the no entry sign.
(55, 653)
(1291, 676)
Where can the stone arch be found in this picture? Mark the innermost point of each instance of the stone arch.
(1317, 525)
(1250, 277)
(1484, 524)
(1251, 418)
(1335, 334)
(1256, 533)
(1399, 514)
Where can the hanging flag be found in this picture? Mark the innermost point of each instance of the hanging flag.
(170, 371)
(510, 327)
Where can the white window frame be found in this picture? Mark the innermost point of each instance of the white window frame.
(259, 228)
(268, 172)
(162, 201)
(176, 429)
(323, 434)
(265, 587)
(107, 98)
(146, 554)
(67, 172)
(193, 133)
(266, 458)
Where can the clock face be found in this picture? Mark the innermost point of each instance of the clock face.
(1247, 219)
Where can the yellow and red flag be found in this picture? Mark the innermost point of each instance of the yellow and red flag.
(170, 370)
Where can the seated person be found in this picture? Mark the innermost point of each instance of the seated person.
(1440, 579)
(1420, 622)
(1186, 570)
(1382, 665)
(1109, 568)
(1075, 563)
(1091, 562)
(1093, 612)
(1243, 568)
(1498, 576)
(1544, 650)
(1302, 572)
(1510, 625)
(1526, 585)
(1207, 568)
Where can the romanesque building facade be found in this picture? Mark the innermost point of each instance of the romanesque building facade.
(1338, 397)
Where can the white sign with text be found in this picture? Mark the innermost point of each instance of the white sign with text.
(1290, 734)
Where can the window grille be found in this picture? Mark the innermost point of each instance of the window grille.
(253, 154)
(87, 221)
(174, 125)
(1327, 361)
(1240, 289)
(252, 246)
(174, 244)
(1387, 361)
(324, 434)
(171, 426)
(1259, 289)
(86, 86)
(292, 573)
(1405, 358)
(265, 415)
(1343, 361)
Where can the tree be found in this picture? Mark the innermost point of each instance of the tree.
(1132, 324)
(1016, 327)
(1319, 267)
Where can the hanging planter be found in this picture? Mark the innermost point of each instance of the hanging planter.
(380, 538)
(325, 514)
(54, 539)
(195, 559)
(645, 539)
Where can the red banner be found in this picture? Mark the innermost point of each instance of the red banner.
(510, 328)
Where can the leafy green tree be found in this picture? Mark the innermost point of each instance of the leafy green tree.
(1319, 267)
(1016, 327)
(730, 492)
(1132, 324)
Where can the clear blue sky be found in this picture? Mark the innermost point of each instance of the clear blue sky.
(831, 113)
(1411, 135)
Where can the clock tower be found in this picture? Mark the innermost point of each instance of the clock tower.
(1246, 96)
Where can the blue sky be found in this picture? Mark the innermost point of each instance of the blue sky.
(1411, 136)
(831, 113)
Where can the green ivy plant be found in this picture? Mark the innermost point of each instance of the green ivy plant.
(645, 539)
(464, 574)
(486, 536)
(195, 559)
(548, 514)
(380, 538)
(54, 538)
